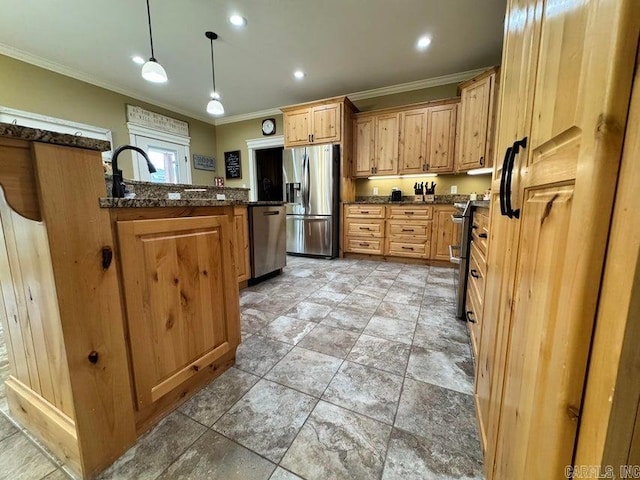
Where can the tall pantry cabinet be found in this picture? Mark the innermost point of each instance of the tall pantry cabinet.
(566, 77)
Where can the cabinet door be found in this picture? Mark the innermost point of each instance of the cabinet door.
(441, 138)
(446, 233)
(326, 122)
(297, 127)
(386, 141)
(413, 141)
(241, 243)
(364, 146)
(474, 120)
(181, 296)
(568, 173)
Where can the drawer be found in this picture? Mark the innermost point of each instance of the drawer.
(410, 212)
(364, 228)
(480, 230)
(473, 312)
(406, 227)
(481, 217)
(477, 269)
(364, 211)
(407, 247)
(371, 246)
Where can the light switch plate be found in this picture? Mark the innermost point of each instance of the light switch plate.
(173, 195)
(454, 189)
(221, 196)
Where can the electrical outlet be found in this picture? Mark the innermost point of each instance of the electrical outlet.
(173, 195)
(221, 196)
(454, 189)
(375, 191)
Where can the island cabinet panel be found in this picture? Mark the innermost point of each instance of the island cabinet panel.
(181, 298)
(241, 243)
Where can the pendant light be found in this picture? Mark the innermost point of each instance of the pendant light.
(214, 107)
(152, 71)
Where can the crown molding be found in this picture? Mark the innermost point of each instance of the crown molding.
(248, 116)
(375, 92)
(84, 77)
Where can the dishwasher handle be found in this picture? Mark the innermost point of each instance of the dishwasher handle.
(271, 212)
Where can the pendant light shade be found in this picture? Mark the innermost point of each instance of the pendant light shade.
(214, 107)
(152, 71)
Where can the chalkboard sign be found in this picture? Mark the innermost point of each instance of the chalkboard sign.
(232, 164)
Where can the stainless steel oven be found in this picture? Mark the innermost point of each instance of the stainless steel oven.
(459, 254)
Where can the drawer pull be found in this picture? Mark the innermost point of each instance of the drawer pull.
(474, 226)
(469, 319)
(364, 211)
(408, 230)
(364, 245)
(474, 273)
(409, 213)
(407, 248)
(483, 235)
(365, 228)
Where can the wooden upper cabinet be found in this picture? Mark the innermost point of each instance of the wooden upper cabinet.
(386, 144)
(297, 127)
(475, 135)
(313, 124)
(413, 141)
(181, 298)
(441, 138)
(363, 146)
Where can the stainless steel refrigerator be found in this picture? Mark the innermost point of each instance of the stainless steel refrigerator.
(312, 196)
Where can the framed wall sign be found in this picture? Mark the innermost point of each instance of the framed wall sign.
(232, 166)
(203, 162)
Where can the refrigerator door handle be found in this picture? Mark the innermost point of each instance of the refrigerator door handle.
(307, 181)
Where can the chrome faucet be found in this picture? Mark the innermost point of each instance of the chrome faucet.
(117, 190)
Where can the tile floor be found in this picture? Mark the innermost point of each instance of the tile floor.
(349, 369)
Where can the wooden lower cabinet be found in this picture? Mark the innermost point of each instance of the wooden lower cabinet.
(181, 299)
(241, 243)
(446, 232)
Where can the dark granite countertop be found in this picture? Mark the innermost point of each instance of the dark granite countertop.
(266, 203)
(110, 202)
(45, 136)
(408, 200)
(481, 203)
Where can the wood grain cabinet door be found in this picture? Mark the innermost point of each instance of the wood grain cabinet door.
(241, 243)
(447, 233)
(326, 121)
(181, 296)
(297, 127)
(386, 144)
(441, 138)
(413, 141)
(474, 124)
(363, 146)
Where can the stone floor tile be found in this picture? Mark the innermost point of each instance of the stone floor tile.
(365, 390)
(338, 444)
(287, 329)
(58, 474)
(339, 287)
(210, 403)
(250, 298)
(431, 411)
(431, 334)
(380, 353)
(305, 370)
(331, 341)
(20, 459)
(282, 474)
(326, 297)
(446, 368)
(156, 449)
(410, 457)
(404, 296)
(391, 329)
(362, 302)
(267, 419)
(253, 320)
(6, 427)
(214, 457)
(347, 318)
(258, 354)
(400, 311)
(309, 311)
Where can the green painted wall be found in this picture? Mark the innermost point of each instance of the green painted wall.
(26, 87)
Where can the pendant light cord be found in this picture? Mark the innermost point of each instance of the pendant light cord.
(150, 34)
(213, 73)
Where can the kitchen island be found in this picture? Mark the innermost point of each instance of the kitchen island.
(114, 314)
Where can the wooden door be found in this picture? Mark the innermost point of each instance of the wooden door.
(364, 146)
(568, 172)
(297, 127)
(413, 141)
(326, 122)
(386, 142)
(446, 233)
(180, 288)
(514, 121)
(441, 138)
(474, 123)
(241, 243)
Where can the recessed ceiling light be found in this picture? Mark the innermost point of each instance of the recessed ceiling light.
(423, 42)
(237, 20)
(299, 74)
(138, 59)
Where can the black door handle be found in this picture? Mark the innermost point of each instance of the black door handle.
(469, 319)
(511, 213)
(503, 176)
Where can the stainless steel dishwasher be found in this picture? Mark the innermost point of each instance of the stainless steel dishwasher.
(268, 239)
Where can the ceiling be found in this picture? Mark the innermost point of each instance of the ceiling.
(344, 46)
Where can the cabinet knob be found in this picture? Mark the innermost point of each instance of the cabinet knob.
(427, 165)
(474, 273)
(469, 318)
(93, 357)
(107, 257)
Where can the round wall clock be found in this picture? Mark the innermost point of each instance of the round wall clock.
(269, 126)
